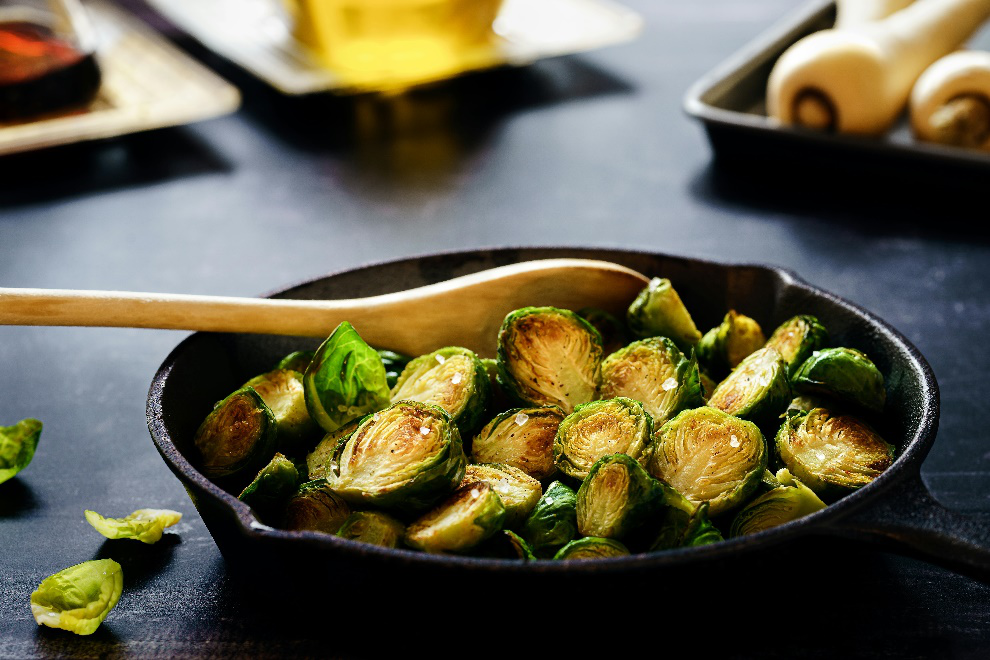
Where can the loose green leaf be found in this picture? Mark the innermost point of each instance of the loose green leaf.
(79, 598)
(144, 525)
(17, 446)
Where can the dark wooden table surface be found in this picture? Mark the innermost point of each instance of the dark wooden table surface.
(590, 150)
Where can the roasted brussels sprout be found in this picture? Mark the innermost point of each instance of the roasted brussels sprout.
(614, 333)
(757, 389)
(237, 436)
(284, 395)
(683, 524)
(832, 454)
(654, 372)
(394, 364)
(591, 547)
(519, 491)
(403, 458)
(318, 461)
(315, 507)
(522, 438)
(373, 527)
(144, 525)
(274, 484)
(616, 498)
(553, 523)
(658, 312)
(17, 446)
(796, 339)
(729, 343)
(600, 428)
(804, 403)
(710, 456)
(345, 381)
(296, 361)
(845, 374)
(452, 378)
(506, 545)
(80, 597)
(466, 518)
(549, 356)
(789, 501)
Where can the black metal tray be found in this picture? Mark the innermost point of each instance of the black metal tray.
(730, 103)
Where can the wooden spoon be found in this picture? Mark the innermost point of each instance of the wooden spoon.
(465, 311)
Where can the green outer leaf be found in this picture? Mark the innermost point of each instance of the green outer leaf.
(727, 344)
(17, 446)
(315, 507)
(591, 547)
(658, 312)
(614, 515)
(318, 461)
(273, 485)
(224, 448)
(519, 491)
(346, 380)
(796, 339)
(553, 522)
(144, 525)
(80, 597)
(844, 373)
(635, 444)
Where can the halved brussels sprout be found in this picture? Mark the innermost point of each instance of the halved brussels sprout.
(845, 374)
(616, 498)
(757, 389)
(729, 343)
(549, 357)
(506, 545)
(296, 361)
(17, 446)
(710, 456)
(144, 525)
(654, 372)
(274, 484)
(832, 454)
(345, 381)
(658, 312)
(373, 527)
(614, 333)
(553, 523)
(394, 364)
(466, 518)
(452, 378)
(316, 508)
(789, 501)
(405, 458)
(318, 461)
(237, 436)
(600, 428)
(522, 438)
(519, 491)
(80, 597)
(284, 394)
(684, 524)
(796, 339)
(591, 547)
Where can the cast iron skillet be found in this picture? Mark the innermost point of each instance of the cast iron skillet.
(895, 510)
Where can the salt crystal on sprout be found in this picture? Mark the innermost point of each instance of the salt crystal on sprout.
(669, 384)
(521, 418)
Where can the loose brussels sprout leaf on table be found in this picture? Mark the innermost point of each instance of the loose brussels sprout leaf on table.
(757, 389)
(729, 343)
(522, 438)
(316, 508)
(600, 428)
(591, 547)
(654, 372)
(844, 374)
(519, 491)
(283, 392)
(17, 446)
(553, 522)
(832, 454)
(373, 527)
(239, 435)
(616, 498)
(346, 380)
(452, 378)
(788, 501)
(404, 458)
(659, 312)
(80, 597)
(319, 460)
(796, 339)
(710, 456)
(144, 525)
(549, 357)
(472, 514)
(273, 485)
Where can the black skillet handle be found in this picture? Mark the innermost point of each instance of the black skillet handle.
(909, 521)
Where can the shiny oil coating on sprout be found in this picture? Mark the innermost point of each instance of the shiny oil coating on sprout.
(600, 428)
(235, 434)
(452, 378)
(469, 516)
(832, 453)
(710, 456)
(522, 438)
